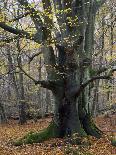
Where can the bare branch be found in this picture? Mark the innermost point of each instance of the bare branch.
(81, 88)
(29, 76)
(89, 81)
(103, 69)
(45, 84)
(34, 55)
(20, 16)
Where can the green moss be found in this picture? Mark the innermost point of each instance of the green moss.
(18, 142)
(82, 133)
(92, 71)
(91, 128)
(38, 137)
(113, 142)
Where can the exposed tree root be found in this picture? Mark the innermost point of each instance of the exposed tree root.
(90, 128)
(50, 132)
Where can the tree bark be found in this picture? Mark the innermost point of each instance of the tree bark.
(3, 118)
(71, 118)
(22, 102)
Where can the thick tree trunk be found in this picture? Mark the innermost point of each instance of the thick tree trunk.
(71, 116)
(72, 68)
(69, 122)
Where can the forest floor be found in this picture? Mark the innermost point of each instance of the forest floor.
(13, 131)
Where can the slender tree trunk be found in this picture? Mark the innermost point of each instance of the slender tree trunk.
(40, 101)
(12, 77)
(18, 90)
(22, 102)
(3, 118)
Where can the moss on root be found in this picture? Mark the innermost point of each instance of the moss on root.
(113, 142)
(52, 131)
(30, 138)
(91, 128)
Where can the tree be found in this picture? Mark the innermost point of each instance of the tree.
(19, 90)
(65, 32)
(3, 118)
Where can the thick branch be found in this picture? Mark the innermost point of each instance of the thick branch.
(14, 31)
(103, 69)
(79, 90)
(88, 82)
(45, 84)
(19, 32)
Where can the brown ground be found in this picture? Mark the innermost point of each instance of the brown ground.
(13, 131)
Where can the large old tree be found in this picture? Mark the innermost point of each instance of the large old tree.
(65, 31)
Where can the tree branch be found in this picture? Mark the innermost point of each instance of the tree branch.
(103, 69)
(45, 84)
(20, 16)
(19, 32)
(81, 88)
(33, 56)
(89, 81)
(35, 14)
(14, 31)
